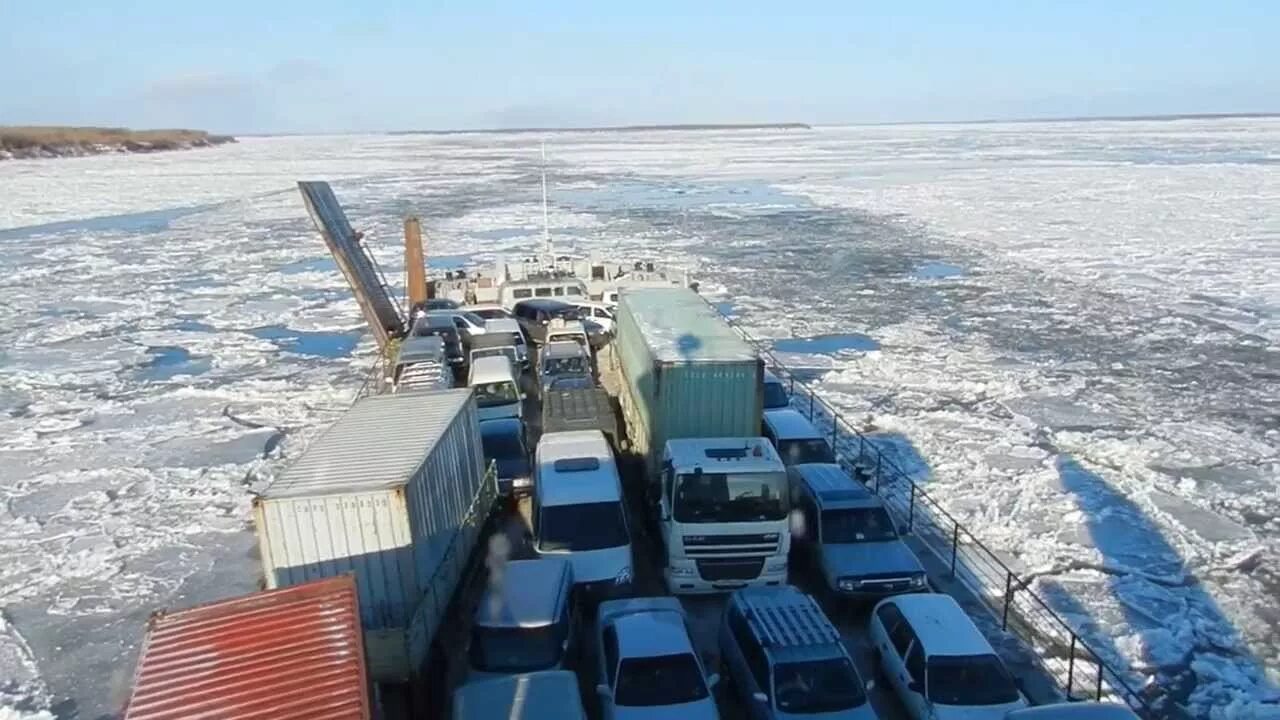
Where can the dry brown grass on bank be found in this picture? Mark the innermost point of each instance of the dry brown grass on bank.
(15, 138)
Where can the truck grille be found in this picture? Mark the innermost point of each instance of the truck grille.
(716, 545)
(746, 569)
(886, 584)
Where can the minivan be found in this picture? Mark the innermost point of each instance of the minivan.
(526, 620)
(937, 661)
(578, 511)
(848, 537)
(795, 438)
(785, 658)
(535, 315)
(497, 391)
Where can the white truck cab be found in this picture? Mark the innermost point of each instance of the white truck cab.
(723, 514)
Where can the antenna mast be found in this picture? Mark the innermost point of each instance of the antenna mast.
(546, 224)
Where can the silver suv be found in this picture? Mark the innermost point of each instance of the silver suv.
(846, 535)
(785, 658)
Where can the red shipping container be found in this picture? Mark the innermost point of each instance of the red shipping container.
(291, 653)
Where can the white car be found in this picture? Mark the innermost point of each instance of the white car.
(938, 662)
(598, 313)
(647, 665)
(488, 311)
(468, 324)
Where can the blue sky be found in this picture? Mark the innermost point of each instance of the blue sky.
(289, 66)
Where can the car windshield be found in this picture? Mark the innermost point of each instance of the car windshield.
(577, 337)
(775, 396)
(576, 365)
(582, 527)
(491, 313)
(721, 497)
(659, 680)
(501, 446)
(496, 393)
(811, 450)
(516, 649)
(969, 680)
(855, 525)
(817, 686)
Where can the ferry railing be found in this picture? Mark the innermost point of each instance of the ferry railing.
(1066, 657)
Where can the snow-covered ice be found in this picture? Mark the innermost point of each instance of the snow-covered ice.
(1069, 328)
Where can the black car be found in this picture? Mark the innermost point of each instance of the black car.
(533, 315)
(503, 442)
(429, 326)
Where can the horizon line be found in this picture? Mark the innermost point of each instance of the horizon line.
(676, 127)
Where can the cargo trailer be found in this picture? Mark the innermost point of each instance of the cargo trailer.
(395, 492)
(289, 654)
(685, 372)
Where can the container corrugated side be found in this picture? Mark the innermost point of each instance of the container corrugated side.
(677, 399)
(307, 538)
(292, 654)
(394, 540)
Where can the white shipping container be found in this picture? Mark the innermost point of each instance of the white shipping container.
(395, 492)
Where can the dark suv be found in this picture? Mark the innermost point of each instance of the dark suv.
(533, 316)
(442, 327)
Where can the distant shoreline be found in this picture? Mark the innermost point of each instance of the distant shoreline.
(23, 143)
(613, 128)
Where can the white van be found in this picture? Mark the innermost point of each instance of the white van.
(578, 511)
(497, 392)
(937, 661)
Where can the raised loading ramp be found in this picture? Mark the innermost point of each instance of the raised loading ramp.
(381, 311)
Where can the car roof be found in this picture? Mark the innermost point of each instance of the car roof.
(788, 623)
(492, 368)
(546, 303)
(835, 488)
(418, 348)
(941, 624)
(501, 426)
(789, 424)
(693, 452)
(584, 486)
(563, 348)
(502, 324)
(539, 695)
(526, 593)
(652, 632)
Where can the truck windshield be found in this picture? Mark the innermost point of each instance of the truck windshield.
(496, 393)
(579, 338)
(515, 649)
(720, 497)
(969, 680)
(817, 686)
(582, 527)
(854, 525)
(808, 450)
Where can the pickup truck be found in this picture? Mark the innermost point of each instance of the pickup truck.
(580, 409)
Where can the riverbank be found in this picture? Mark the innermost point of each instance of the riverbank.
(17, 143)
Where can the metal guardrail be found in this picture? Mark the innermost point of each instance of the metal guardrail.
(1062, 653)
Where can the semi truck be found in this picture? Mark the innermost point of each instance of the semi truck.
(691, 397)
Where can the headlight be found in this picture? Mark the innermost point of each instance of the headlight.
(849, 584)
(774, 567)
(918, 581)
(623, 577)
(521, 482)
(683, 571)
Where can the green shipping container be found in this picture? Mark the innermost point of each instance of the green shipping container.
(685, 371)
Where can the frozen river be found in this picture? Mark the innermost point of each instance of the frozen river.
(1074, 327)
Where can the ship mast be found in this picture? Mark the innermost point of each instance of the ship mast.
(546, 224)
